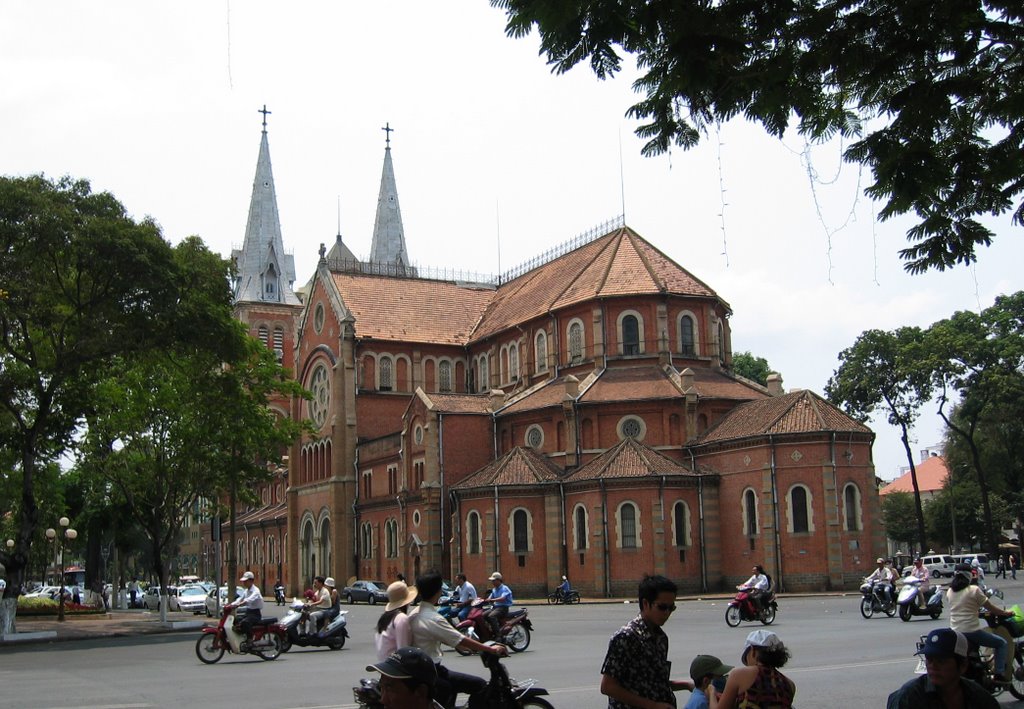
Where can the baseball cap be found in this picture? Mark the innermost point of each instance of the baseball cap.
(495, 577)
(944, 641)
(407, 663)
(763, 638)
(247, 576)
(879, 560)
(704, 665)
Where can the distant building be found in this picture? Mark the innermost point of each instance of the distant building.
(578, 415)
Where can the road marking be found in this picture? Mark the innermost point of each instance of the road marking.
(105, 706)
(829, 668)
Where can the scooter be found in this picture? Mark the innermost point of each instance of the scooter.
(744, 607)
(909, 600)
(265, 642)
(332, 635)
(877, 598)
(500, 691)
(980, 662)
(514, 631)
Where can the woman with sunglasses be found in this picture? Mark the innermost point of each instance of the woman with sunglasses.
(636, 669)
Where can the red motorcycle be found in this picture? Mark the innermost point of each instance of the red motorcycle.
(745, 607)
(266, 641)
(515, 628)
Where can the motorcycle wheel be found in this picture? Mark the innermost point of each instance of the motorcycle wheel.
(535, 702)
(574, 597)
(554, 599)
(768, 615)
(905, 612)
(272, 652)
(890, 610)
(732, 616)
(337, 642)
(936, 613)
(207, 649)
(867, 608)
(518, 638)
(1016, 686)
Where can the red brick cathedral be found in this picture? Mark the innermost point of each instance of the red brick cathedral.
(576, 416)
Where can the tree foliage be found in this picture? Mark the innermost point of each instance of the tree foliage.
(882, 370)
(899, 514)
(753, 368)
(930, 89)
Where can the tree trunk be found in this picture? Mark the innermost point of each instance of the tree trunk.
(8, 615)
(922, 540)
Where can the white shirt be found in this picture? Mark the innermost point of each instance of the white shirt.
(883, 574)
(430, 631)
(323, 598)
(922, 574)
(252, 598)
(963, 608)
(757, 581)
(467, 592)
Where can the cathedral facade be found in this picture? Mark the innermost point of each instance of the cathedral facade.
(577, 416)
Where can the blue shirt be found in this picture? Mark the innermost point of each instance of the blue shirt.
(698, 700)
(502, 595)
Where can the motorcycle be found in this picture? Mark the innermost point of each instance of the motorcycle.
(265, 643)
(501, 692)
(279, 595)
(980, 666)
(332, 635)
(877, 598)
(447, 609)
(514, 631)
(745, 607)
(909, 600)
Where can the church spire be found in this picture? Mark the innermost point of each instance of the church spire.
(388, 246)
(264, 272)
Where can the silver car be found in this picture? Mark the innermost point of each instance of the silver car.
(192, 599)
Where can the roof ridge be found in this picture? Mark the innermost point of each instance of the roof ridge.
(616, 238)
(631, 236)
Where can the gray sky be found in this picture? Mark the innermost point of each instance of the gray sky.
(157, 103)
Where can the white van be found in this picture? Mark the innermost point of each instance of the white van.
(983, 561)
(939, 564)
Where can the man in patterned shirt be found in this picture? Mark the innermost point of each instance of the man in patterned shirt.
(636, 669)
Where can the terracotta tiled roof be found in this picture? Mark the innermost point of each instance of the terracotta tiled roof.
(459, 403)
(551, 394)
(620, 263)
(629, 459)
(520, 466)
(261, 514)
(412, 309)
(931, 476)
(631, 384)
(796, 412)
(718, 384)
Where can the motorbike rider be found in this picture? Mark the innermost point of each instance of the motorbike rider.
(319, 606)
(564, 588)
(335, 607)
(501, 596)
(756, 586)
(249, 607)
(279, 592)
(945, 654)
(965, 602)
(884, 577)
(465, 594)
(918, 571)
(408, 679)
(430, 631)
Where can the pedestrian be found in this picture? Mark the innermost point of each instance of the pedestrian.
(636, 669)
(758, 683)
(1000, 567)
(1013, 566)
(945, 655)
(704, 670)
(133, 592)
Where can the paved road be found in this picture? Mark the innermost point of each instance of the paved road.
(839, 659)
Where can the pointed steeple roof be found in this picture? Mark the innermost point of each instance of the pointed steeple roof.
(265, 272)
(388, 245)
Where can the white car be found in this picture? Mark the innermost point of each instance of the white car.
(212, 607)
(192, 599)
(151, 598)
(44, 592)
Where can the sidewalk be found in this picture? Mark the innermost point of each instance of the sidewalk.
(114, 623)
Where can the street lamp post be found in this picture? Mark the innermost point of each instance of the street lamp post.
(69, 534)
(10, 550)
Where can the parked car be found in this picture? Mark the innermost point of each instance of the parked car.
(44, 592)
(939, 564)
(151, 598)
(969, 558)
(366, 591)
(211, 600)
(192, 598)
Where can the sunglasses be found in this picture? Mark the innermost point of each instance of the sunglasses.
(665, 607)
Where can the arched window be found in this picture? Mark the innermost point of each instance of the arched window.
(628, 527)
(681, 524)
(484, 384)
(386, 373)
(580, 527)
(513, 362)
(473, 533)
(800, 517)
(391, 538)
(687, 336)
(749, 513)
(256, 551)
(520, 531)
(444, 375)
(851, 508)
(575, 341)
(540, 349)
(366, 541)
(630, 335)
(279, 338)
(264, 334)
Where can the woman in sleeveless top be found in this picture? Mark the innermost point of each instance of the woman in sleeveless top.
(758, 684)
(335, 607)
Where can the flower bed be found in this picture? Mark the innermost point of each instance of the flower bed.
(50, 607)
